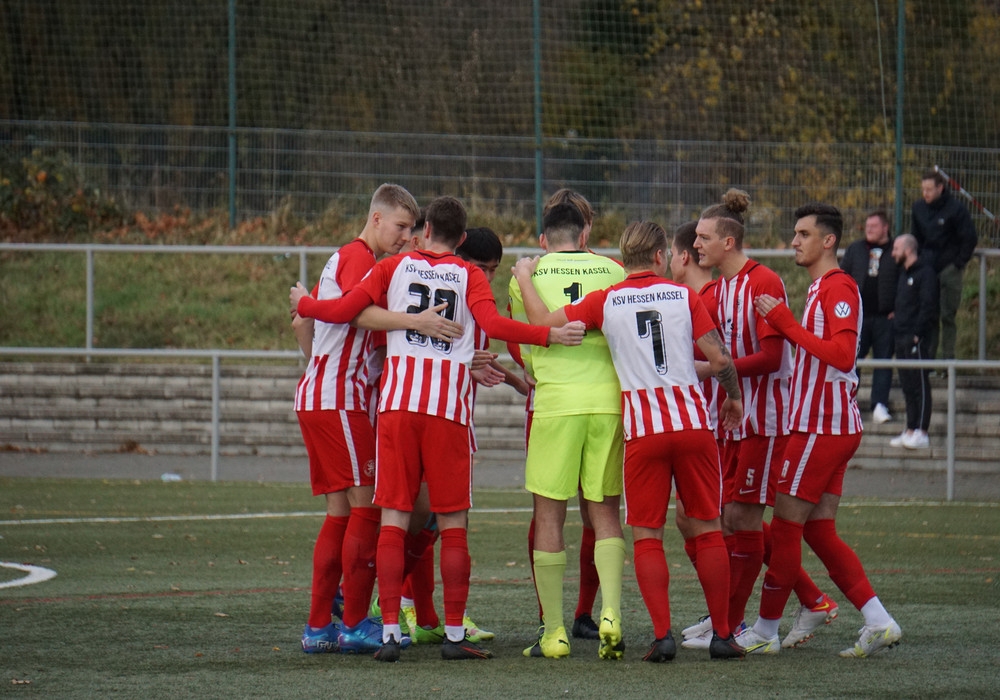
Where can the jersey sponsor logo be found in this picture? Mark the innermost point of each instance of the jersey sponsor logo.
(842, 309)
(572, 271)
(621, 299)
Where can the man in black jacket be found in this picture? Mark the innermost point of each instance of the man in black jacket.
(947, 237)
(916, 316)
(869, 261)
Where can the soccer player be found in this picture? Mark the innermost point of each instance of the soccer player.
(332, 413)
(575, 438)
(482, 248)
(826, 430)
(584, 626)
(425, 407)
(763, 360)
(651, 325)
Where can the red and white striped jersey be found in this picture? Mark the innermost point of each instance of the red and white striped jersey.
(824, 399)
(423, 375)
(765, 397)
(650, 324)
(337, 372)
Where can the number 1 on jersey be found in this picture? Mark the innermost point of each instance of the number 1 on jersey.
(650, 325)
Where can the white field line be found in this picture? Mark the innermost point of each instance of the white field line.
(474, 511)
(36, 574)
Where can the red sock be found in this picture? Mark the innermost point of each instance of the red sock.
(745, 560)
(456, 566)
(389, 560)
(653, 577)
(421, 581)
(840, 561)
(416, 545)
(805, 588)
(360, 543)
(786, 560)
(327, 568)
(712, 564)
(589, 580)
(692, 551)
(531, 564)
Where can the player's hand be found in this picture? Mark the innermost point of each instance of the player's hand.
(731, 414)
(431, 323)
(524, 268)
(294, 294)
(765, 303)
(487, 376)
(482, 358)
(570, 334)
(529, 380)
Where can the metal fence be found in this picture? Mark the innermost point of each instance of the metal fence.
(159, 167)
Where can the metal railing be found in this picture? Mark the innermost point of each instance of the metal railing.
(952, 367)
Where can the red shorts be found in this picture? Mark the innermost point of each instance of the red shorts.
(751, 469)
(341, 448)
(690, 458)
(815, 464)
(415, 447)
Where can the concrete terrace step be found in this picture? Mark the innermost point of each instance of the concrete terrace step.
(167, 409)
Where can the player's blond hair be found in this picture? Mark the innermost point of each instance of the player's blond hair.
(729, 215)
(389, 197)
(639, 243)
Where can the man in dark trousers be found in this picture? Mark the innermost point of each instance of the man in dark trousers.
(947, 237)
(869, 261)
(915, 318)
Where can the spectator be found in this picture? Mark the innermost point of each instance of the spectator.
(915, 319)
(869, 261)
(947, 237)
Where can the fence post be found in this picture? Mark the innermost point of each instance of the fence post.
(216, 382)
(982, 305)
(232, 114)
(951, 431)
(90, 300)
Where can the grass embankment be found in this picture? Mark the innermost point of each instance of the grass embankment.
(202, 301)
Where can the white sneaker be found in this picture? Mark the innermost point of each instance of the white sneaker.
(917, 440)
(873, 639)
(900, 439)
(880, 414)
(808, 620)
(753, 643)
(702, 641)
(698, 629)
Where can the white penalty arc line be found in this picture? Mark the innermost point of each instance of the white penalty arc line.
(36, 574)
(474, 511)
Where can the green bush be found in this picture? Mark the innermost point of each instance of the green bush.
(45, 197)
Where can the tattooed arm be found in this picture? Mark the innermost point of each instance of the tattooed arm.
(721, 362)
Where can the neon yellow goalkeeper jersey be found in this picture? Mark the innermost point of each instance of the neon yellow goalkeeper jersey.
(571, 380)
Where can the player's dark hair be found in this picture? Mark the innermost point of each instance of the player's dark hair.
(568, 196)
(684, 238)
(639, 243)
(447, 219)
(828, 218)
(729, 215)
(481, 244)
(563, 224)
(421, 220)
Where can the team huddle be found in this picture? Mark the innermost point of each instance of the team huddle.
(636, 383)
